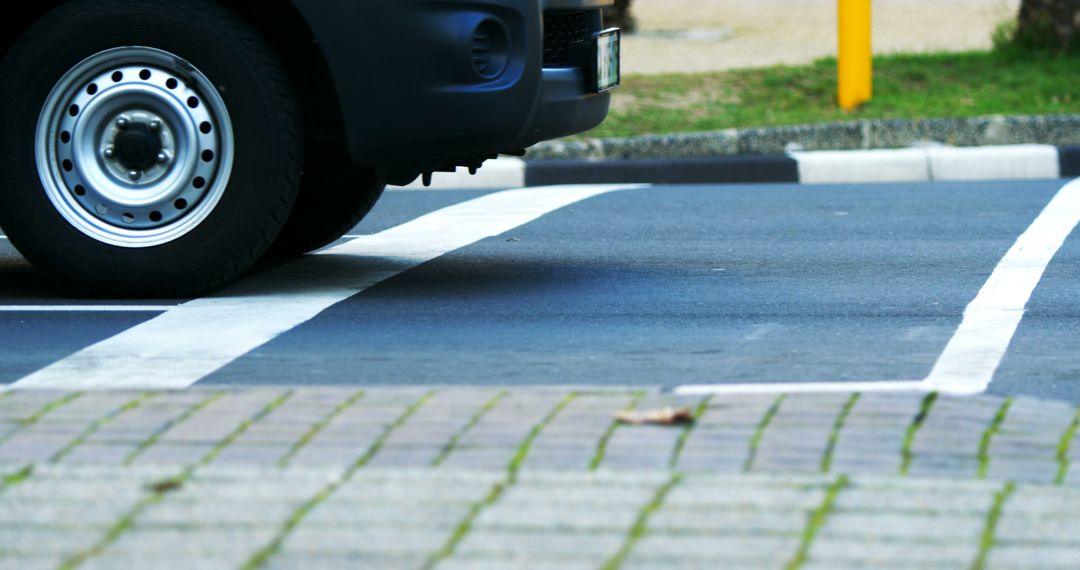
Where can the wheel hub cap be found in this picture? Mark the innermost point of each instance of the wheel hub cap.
(134, 147)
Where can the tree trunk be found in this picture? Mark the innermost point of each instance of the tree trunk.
(619, 16)
(1049, 24)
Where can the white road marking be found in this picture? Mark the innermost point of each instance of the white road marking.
(802, 388)
(85, 308)
(182, 346)
(975, 351)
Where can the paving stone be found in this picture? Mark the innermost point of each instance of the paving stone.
(871, 553)
(1033, 557)
(560, 518)
(491, 543)
(670, 520)
(372, 540)
(289, 560)
(717, 551)
(885, 526)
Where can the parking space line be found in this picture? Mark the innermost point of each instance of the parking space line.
(802, 387)
(976, 349)
(182, 346)
(974, 353)
(85, 308)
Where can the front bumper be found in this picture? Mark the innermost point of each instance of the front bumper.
(413, 98)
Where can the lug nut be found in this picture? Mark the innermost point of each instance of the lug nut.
(155, 126)
(134, 174)
(123, 122)
(109, 152)
(162, 157)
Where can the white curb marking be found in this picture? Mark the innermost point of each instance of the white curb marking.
(182, 346)
(975, 351)
(935, 163)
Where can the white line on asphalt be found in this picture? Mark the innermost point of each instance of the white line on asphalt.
(974, 353)
(802, 387)
(85, 308)
(184, 345)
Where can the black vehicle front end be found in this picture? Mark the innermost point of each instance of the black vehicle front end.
(431, 84)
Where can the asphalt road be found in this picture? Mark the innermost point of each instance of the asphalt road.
(746, 284)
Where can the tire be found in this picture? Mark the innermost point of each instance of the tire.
(151, 148)
(334, 197)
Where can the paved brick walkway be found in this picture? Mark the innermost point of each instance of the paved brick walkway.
(474, 478)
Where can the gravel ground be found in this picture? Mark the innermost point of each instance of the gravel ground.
(707, 35)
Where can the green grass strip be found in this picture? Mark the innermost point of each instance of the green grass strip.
(641, 523)
(154, 437)
(601, 446)
(463, 528)
(263, 555)
(514, 467)
(988, 436)
(98, 424)
(317, 428)
(680, 444)
(1063, 449)
(834, 435)
(817, 520)
(455, 439)
(990, 530)
(906, 453)
(759, 432)
(158, 491)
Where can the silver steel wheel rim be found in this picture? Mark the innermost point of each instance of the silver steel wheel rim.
(134, 147)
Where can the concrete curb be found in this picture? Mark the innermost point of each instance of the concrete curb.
(1057, 130)
(917, 164)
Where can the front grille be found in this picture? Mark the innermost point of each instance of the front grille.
(561, 30)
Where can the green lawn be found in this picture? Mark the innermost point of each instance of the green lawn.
(905, 86)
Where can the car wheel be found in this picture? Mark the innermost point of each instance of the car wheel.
(152, 148)
(334, 197)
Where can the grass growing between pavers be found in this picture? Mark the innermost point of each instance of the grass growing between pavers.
(514, 467)
(988, 437)
(759, 432)
(158, 491)
(317, 428)
(601, 446)
(16, 478)
(41, 413)
(1063, 449)
(154, 437)
(641, 523)
(680, 444)
(98, 424)
(455, 439)
(463, 528)
(906, 454)
(906, 86)
(263, 555)
(834, 435)
(986, 541)
(816, 521)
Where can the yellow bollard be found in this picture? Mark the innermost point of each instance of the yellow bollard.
(855, 83)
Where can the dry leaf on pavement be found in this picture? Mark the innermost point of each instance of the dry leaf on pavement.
(661, 416)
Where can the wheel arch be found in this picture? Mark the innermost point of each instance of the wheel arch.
(281, 24)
